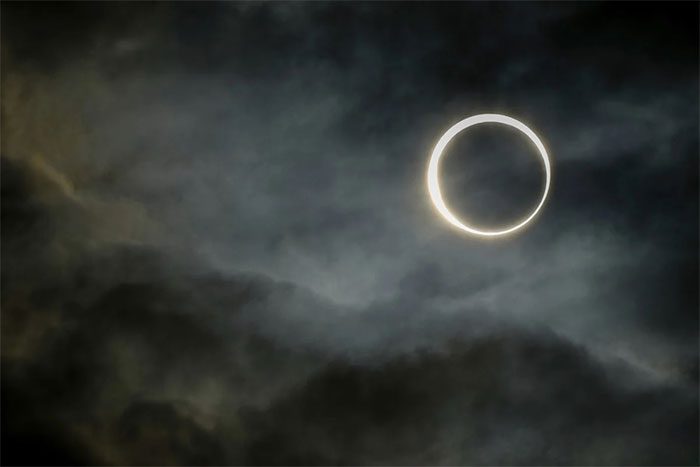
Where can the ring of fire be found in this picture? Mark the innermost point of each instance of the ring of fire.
(434, 166)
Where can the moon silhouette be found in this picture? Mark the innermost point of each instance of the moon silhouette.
(434, 166)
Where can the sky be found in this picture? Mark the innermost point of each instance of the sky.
(218, 246)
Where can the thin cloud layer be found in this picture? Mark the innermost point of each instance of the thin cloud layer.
(218, 248)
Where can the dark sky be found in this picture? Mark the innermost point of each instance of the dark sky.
(218, 248)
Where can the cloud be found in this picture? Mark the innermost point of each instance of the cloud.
(218, 247)
(513, 399)
(145, 362)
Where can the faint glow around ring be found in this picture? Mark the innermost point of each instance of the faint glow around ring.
(434, 166)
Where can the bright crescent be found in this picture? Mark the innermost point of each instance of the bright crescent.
(434, 166)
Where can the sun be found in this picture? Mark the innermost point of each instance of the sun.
(434, 169)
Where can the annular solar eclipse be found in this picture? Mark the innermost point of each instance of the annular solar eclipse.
(433, 178)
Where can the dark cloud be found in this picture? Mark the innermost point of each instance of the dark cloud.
(217, 247)
(509, 400)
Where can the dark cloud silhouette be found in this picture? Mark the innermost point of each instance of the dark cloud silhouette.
(516, 399)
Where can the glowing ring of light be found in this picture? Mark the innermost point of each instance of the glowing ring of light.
(434, 165)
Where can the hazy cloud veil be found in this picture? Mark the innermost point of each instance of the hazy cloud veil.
(217, 246)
